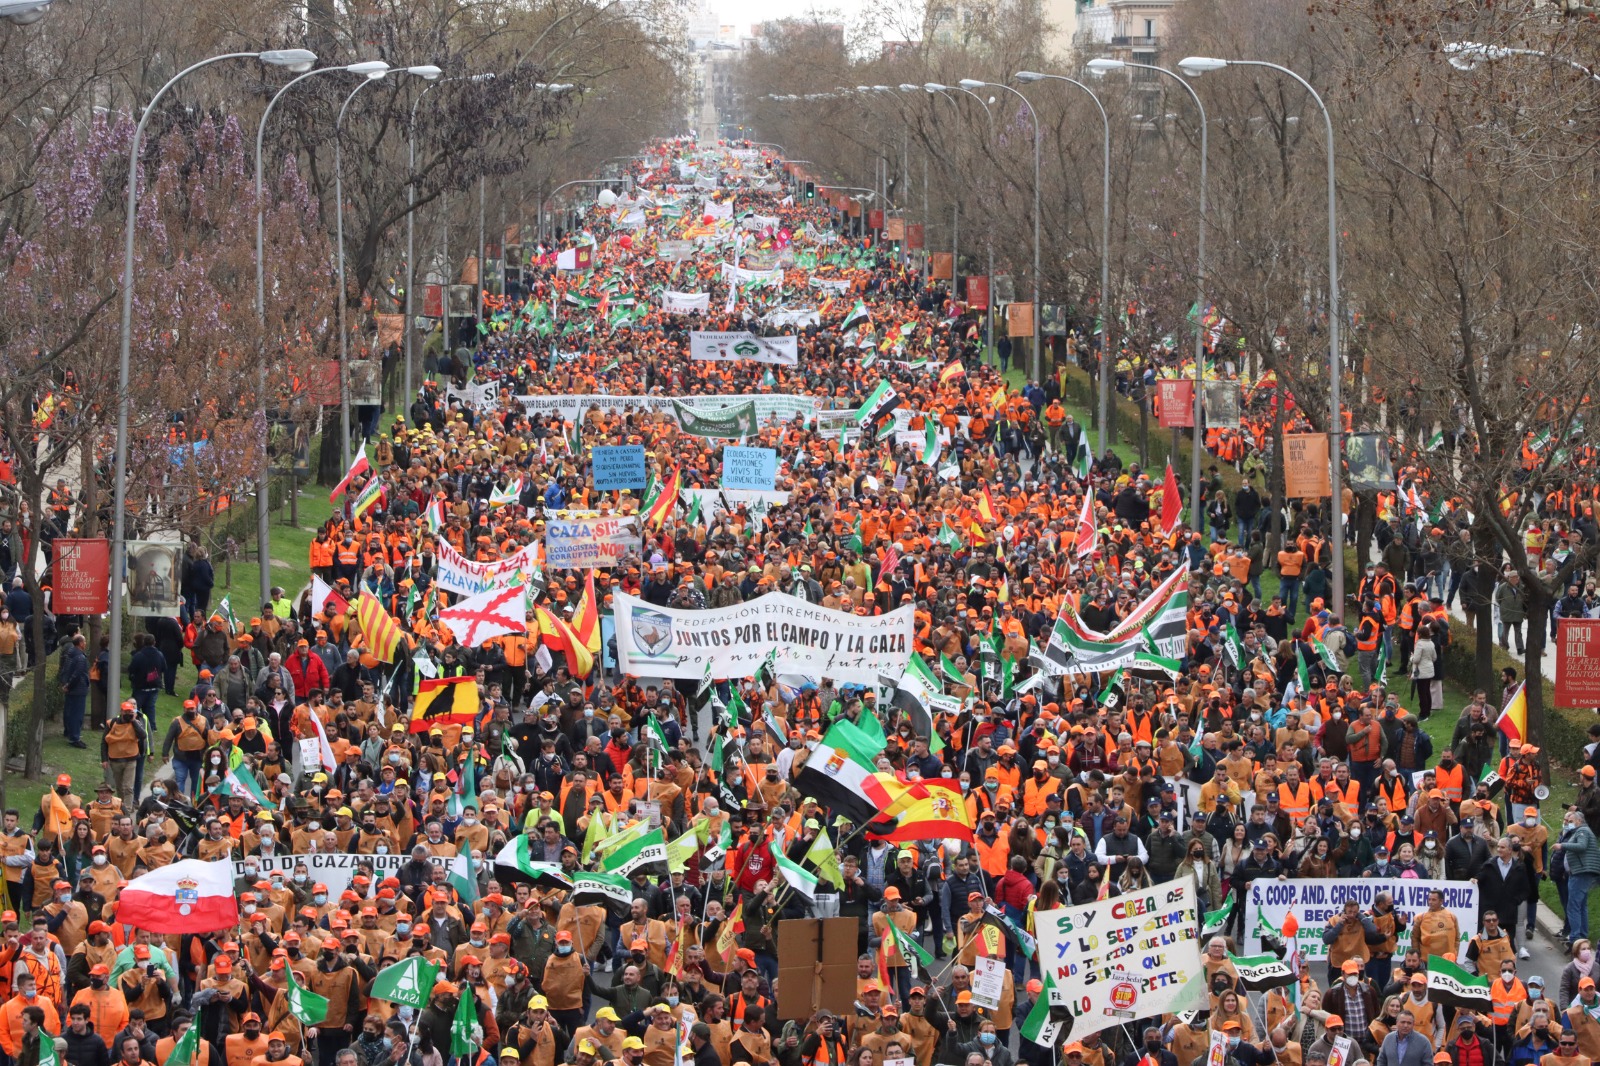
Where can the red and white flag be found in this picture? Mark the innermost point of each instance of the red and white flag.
(188, 896)
(1088, 539)
(322, 593)
(358, 466)
(487, 615)
(1171, 504)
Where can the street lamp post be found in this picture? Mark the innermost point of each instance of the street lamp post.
(411, 225)
(263, 505)
(1194, 66)
(297, 60)
(1101, 66)
(1107, 360)
(974, 83)
(429, 73)
(988, 309)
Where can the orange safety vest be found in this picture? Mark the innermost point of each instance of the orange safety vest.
(1366, 744)
(1297, 805)
(992, 858)
(1450, 781)
(1507, 1000)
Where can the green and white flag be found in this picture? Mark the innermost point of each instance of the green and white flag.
(1038, 1027)
(649, 850)
(1261, 972)
(307, 1007)
(693, 518)
(1436, 441)
(910, 949)
(183, 1053)
(626, 836)
(681, 850)
(952, 673)
(408, 982)
(822, 855)
(1215, 920)
(800, 879)
(1230, 637)
(1380, 672)
(242, 783)
(466, 1034)
(950, 538)
(463, 876)
(516, 858)
(225, 609)
(1301, 672)
(1455, 987)
(1144, 660)
(611, 891)
(930, 445)
(1324, 653)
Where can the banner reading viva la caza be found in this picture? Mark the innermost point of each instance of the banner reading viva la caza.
(735, 641)
(1127, 957)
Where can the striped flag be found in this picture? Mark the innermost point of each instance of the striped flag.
(952, 370)
(658, 510)
(371, 495)
(383, 633)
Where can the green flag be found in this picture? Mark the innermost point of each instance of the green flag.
(1215, 920)
(950, 538)
(716, 755)
(465, 1032)
(408, 982)
(1235, 646)
(693, 517)
(1326, 655)
(647, 850)
(307, 1007)
(821, 854)
(463, 876)
(1380, 671)
(681, 850)
(953, 675)
(184, 1052)
(909, 947)
(1302, 674)
(593, 835)
(1037, 1026)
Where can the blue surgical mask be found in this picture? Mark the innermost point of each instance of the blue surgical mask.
(672, 1001)
(986, 1038)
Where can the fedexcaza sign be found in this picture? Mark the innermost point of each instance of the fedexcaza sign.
(1313, 901)
(735, 641)
(1126, 957)
(769, 408)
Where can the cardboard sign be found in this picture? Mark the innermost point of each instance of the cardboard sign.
(817, 966)
(619, 467)
(749, 468)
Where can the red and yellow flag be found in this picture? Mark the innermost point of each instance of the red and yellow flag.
(383, 633)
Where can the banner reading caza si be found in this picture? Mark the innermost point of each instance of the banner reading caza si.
(734, 641)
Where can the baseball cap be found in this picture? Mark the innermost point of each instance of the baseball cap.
(633, 1043)
(608, 1013)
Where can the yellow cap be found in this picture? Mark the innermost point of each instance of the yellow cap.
(538, 1003)
(633, 1043)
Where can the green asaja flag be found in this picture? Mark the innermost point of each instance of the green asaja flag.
(408, 982)
(183, 1053)
(1302, 673)
(307, 1007)
(463, 877)
(910, 949)
(649, 850)
(466, 1035)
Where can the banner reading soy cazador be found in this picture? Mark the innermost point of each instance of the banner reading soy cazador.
(735, 641)
(1127, 957)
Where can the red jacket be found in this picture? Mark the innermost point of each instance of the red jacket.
(1013, 890)
(307, 672)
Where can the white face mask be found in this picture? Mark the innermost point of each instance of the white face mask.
(100, 860)
(1531, 822)
(64, 897)
(1351, 980)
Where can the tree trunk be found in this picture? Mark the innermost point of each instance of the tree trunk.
(1539, 603)
(1276, 483)
(329, 455)
(33, 759)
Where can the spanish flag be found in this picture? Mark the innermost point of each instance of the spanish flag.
(659, 509)
(444, 701)
(586, 619)
(1513, 721)
(558, 635)
(383, 633)
(986, 508)
(952, 370)
(928, 810)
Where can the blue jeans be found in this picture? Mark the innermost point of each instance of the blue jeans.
(72, 716)
(145, 700)
(1578, 886)
(1289, 589)
(186, 775)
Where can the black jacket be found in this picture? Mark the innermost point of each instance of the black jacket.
(1503, 894)
(86, 1050)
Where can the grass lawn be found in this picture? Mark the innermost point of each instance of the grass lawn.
(241, 581)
